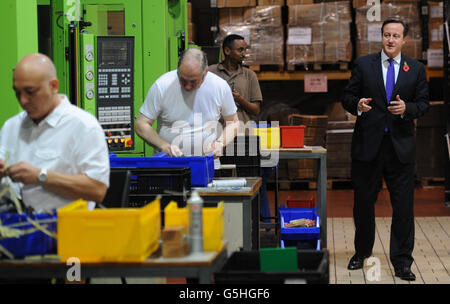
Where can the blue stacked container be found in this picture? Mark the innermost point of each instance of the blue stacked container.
(202, 167)
(301, 237)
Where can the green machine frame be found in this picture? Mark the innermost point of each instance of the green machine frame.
(19, 35)
(158, 28)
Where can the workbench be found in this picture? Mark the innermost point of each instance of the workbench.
(200, 266)
(246, 199)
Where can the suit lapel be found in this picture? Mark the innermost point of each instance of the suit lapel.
(378, 74)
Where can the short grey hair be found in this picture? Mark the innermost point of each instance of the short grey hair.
(195, 55)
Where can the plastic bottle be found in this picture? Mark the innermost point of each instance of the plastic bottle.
(195, 207)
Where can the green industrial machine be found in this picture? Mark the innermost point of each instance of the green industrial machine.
(107, 54)
(19, 34)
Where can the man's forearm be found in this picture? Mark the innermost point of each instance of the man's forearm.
(229, 132)
(249, 107)
(149, 135)
(75, 186)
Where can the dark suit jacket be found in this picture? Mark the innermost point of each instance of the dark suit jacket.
(367, 81)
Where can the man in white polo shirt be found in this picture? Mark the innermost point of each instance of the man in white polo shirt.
(57, 151)
(188, 103)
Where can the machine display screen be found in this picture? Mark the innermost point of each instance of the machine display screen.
(114, 53)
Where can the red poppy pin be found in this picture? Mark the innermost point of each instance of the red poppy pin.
(405, 67)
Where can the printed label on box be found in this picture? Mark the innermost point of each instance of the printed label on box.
(316, 83)
(437, 34)
(299, 35)
(374, 33)
(435, 58)
(437, 11)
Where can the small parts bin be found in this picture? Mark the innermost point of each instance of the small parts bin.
(108, 235)
(213, 223)
(300, 203)
(292, 136)
(301, 237)
(28, 234)
(202, 167)
(269, 138)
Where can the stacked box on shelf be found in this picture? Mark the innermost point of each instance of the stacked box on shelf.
(435, 49)
(191, 25)
(235, 3)
(262, 28)
(339, 140)
(431, 152)
(318, 33)
(369, 31)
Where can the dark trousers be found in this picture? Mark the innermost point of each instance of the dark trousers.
(367, 181)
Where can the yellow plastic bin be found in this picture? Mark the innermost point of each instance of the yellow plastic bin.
(213, 223)
(269, 138)
(108, 235)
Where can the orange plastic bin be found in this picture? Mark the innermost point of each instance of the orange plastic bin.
(292, 136)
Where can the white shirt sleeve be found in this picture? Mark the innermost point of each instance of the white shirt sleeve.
(151, 108)
(228, 105)
(93, 159)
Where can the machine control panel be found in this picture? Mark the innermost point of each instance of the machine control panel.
(115, 87)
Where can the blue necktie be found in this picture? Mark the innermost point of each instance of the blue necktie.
(390, 80)
(390, 83)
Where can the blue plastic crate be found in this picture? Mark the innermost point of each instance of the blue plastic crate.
(34, 243)
(202, 167)
(299, 233)
(301, 244)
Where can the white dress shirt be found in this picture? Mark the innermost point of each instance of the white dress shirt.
(69, 141)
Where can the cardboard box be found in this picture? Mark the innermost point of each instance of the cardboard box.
(235, 3)
(406, 11)
(318, 32)
(270, 2)
(191, 32)
(231, 16)
(337, 51)
(255, 34)
(189, 11)
(321, 12)
(263, 15)
(435, 11)
(265, 53)
(296, 54)
(435, 34)
(297, 2)
(258, 15)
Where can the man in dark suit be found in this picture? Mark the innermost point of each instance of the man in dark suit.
(386, 92)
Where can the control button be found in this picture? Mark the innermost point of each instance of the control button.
(89, 75)
(90, 94)
(89, 56)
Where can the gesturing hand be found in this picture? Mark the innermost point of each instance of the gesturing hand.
(363, 104)
(397, 107)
